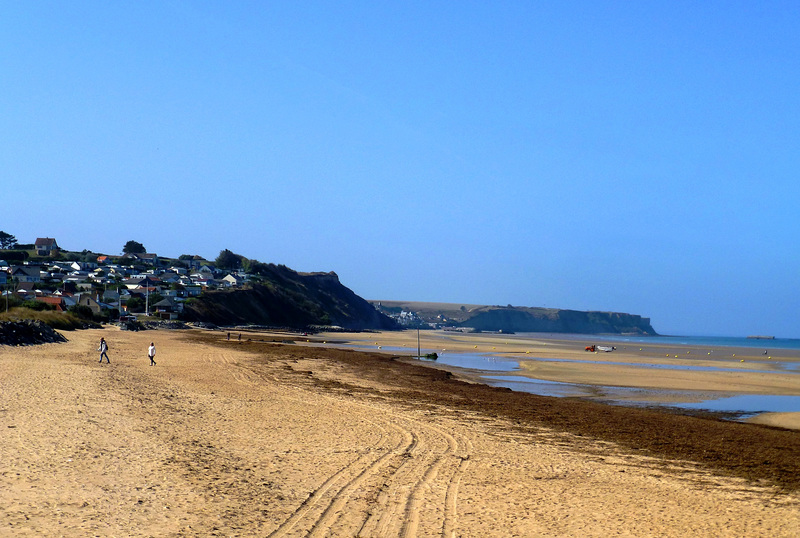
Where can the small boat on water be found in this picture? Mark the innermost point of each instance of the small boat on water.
(756, 337)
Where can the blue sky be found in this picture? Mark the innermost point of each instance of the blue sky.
(637, 157)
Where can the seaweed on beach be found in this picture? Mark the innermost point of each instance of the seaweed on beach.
(760, 454)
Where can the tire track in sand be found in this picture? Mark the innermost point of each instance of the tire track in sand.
(456, 456)
(411, 463)
(334, 509)
(318, 512)
(382, 517)
(415, 481)
(450, 523)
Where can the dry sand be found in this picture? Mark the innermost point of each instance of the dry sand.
(245, 440)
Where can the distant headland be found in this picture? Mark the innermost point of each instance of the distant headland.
(512, 319)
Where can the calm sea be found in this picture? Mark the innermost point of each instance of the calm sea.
(710, 341)
(499, 371)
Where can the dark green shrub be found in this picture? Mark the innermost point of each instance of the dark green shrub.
(37, 305)
(135, 304)
(82, 311)
(15, 256)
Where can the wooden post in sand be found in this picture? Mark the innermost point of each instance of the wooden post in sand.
(419, 354)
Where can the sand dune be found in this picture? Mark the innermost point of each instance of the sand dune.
(245, 440)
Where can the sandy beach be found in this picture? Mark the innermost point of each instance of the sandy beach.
(259, 438)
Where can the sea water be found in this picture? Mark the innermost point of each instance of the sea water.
(498, 371)
(705, 341)
(748, 404)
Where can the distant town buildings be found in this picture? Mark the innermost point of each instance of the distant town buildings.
(408, 319)
(108, 283)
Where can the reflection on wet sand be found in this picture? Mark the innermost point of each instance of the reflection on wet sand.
(741, 381)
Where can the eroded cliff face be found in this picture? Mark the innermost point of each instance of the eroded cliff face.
(521, 319)
(286, 298)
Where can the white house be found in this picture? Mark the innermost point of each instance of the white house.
(233, 281)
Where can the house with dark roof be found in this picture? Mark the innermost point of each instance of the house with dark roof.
(149, 257)
(26, 273)
(45, 246)
(26, 290)
(141, 258)
(168, 308)
(169, 278)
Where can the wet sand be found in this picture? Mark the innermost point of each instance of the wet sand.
(730, 371)
(267, 439)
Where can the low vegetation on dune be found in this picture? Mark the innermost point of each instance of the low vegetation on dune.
(62, 321)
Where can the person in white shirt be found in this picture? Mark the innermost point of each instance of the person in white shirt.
(151, 352)
(103, 349)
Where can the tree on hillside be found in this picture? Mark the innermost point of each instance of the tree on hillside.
(87, 256)
(133, 247)
(228, 260)
(253, 266)
(7, 240)
(135, 304)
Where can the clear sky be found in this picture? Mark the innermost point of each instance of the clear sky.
(637, 157)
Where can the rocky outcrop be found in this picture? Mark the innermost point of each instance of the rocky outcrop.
(27, 333)
(286, 298)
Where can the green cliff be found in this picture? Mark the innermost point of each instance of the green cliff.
(286, 298)
(520, 319)
(523, 319)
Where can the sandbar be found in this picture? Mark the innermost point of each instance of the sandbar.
(685, 373)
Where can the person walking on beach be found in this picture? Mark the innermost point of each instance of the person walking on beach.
(103, 349)
(151, 353)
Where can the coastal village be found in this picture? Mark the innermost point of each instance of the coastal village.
(110, 287)
(138, 284)
(105, 288)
